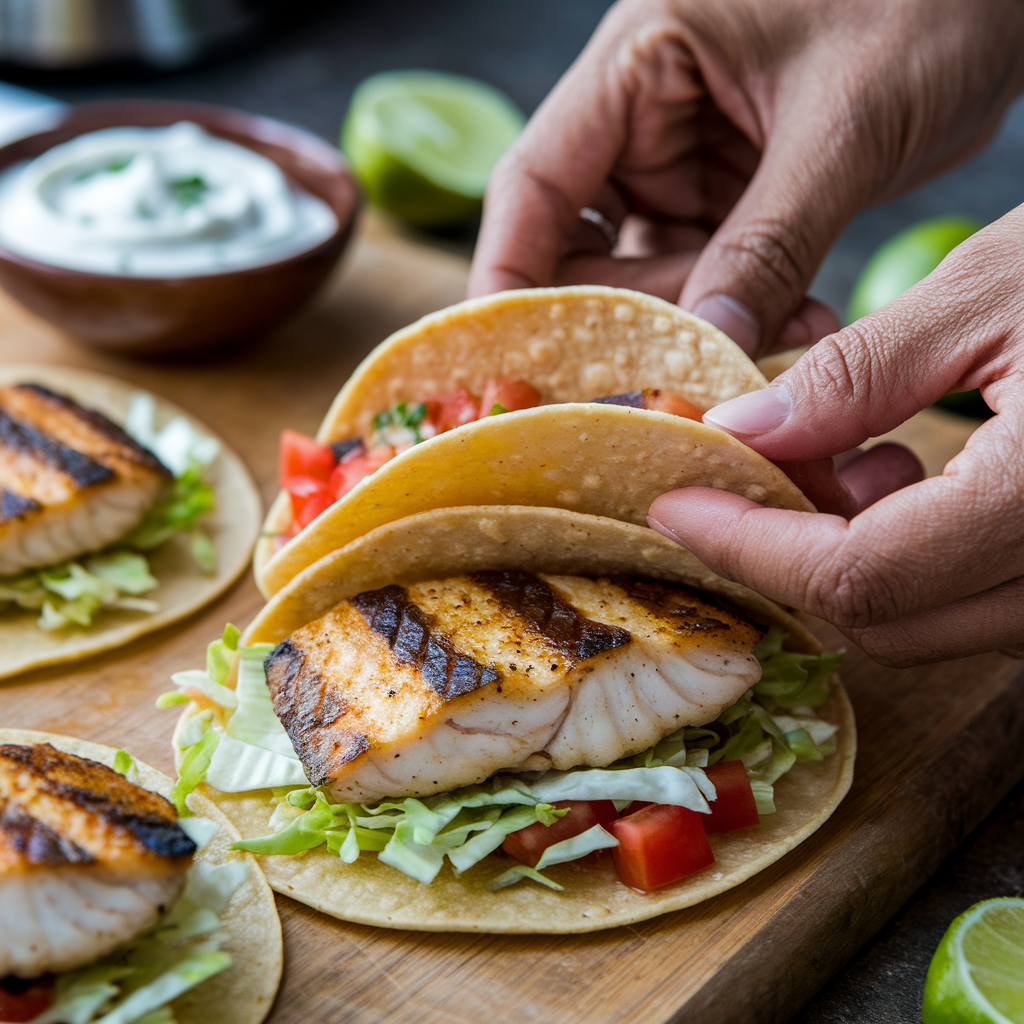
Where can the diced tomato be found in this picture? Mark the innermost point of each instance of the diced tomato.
(446, 412)
(347, 474)
(661, 400)
(22, 1001)
(658, 845)
(511, 395)
(735, 806)
(302, 455)
(309, 498)
(528, 844)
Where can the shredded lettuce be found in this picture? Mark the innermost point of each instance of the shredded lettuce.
(243, 747)
(137, 985)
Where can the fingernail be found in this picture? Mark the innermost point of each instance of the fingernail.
(662, 529)
(757, 412)
(733, 318)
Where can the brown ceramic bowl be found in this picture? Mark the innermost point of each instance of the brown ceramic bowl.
(147, 315)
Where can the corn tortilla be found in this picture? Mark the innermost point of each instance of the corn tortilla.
(450, 541)
(573, 344)
(233, 526)
(244, 992)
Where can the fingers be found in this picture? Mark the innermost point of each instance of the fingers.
(917, 549)
(868, 378)
(880, 471)
(761, 260)
(987, 621)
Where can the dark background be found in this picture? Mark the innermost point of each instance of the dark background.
(304, 70)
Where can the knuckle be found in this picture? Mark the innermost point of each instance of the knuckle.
(775, 251)
(853, 593)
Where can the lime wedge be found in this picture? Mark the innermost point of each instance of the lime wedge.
(423, 144)
(977, 973)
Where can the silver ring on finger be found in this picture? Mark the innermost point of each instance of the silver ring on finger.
(596, 219)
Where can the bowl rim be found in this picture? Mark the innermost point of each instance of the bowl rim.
(257, 126)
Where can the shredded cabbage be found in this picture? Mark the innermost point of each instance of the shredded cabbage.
(71, 594)
(243, 747)
(135, 986)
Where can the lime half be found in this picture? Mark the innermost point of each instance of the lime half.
(423, 144)
(977, 973)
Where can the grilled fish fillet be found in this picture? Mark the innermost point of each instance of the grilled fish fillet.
(419, 690)
(88, 861)
(71, 481)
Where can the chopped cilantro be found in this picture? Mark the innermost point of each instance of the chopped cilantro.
(189, 191)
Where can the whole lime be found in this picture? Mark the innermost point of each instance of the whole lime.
(977, 973)
(423, 144)
(905, 259)
(899, 264)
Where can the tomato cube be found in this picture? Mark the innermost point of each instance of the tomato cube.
(511, 395)
(659, 845)
(302, 455)
(528, 844)
(735, 806)
(347, 474)
(309, 498)
(24, 1000)
(661, 400)
(453, 410)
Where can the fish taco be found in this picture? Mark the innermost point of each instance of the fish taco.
(584, 398)
(117, 907)
(119, 514)
(515, 719)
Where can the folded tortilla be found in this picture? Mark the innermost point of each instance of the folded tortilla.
(573, 345)
(244, 992)
(448, 542)
(233, 526)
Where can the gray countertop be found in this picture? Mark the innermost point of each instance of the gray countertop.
(306, 73)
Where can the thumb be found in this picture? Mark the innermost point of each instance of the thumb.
(866, 379)
(751, 277)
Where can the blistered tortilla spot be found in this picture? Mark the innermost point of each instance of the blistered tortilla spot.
(569, 497)
(676, 362)
(583, 333)
(591, 482)
(621, 357)
(686, 338)
(515, 364)
(492, 528)
(755, 492)
(541, 352)
(623, 312)
(709, 350)
(556, 310)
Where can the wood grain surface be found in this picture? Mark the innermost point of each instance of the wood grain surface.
(939, 745)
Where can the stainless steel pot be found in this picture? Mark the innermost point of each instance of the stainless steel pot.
(165, 34)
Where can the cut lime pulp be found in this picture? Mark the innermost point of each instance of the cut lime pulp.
(977, 973)
(423, 144)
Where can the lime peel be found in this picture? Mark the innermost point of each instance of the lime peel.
(977, 973)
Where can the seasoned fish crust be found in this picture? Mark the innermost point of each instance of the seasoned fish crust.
(417, 690)
(60, 808)
(88, 860)
(71, 481)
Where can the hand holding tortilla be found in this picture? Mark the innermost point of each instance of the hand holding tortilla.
(935, 570)
(684, 119)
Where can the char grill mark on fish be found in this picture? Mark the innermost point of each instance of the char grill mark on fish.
(36, 397)
(54, 788)
(36, 842)
(14, 505)
(309, 709)
(449, 672)
(681, 604)
(24, 439)
(530, 598)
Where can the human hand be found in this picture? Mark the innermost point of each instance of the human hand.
(932, 571)
(762, 126)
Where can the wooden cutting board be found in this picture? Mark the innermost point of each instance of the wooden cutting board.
(939, 745)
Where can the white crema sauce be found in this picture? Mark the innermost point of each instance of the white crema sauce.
(157, 202)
